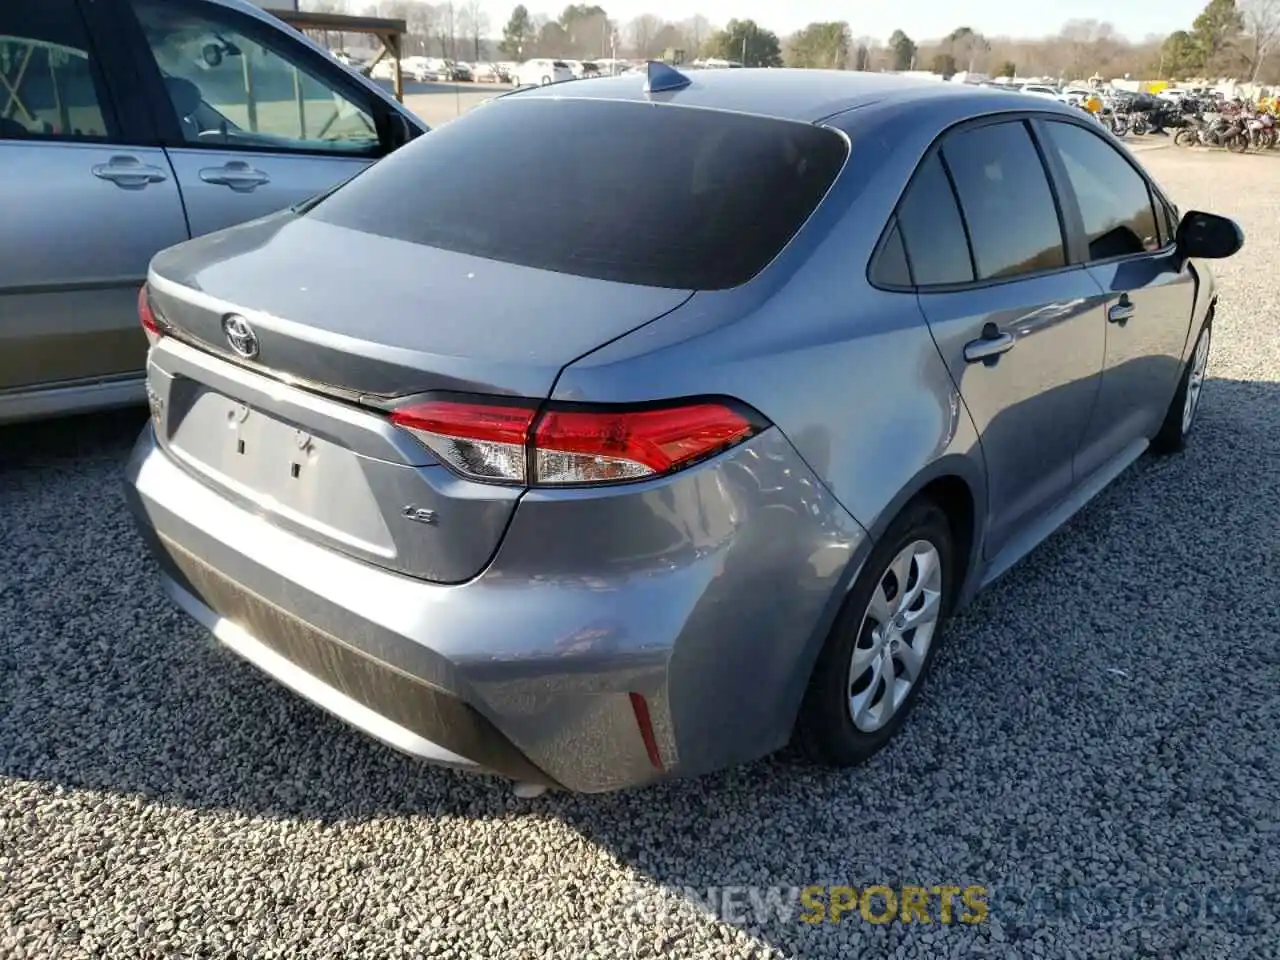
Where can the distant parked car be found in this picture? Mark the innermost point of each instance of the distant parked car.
(539, 73)
(671, 497)
(486, 72)
(197, 150)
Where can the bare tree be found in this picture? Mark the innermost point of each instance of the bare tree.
(421, 24)
(696, 29)
(473, 23)
(641, 33)
(1262, 28)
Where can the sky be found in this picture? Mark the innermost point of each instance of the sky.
(921, 19)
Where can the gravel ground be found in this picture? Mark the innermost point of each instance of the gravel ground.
(1097, 749)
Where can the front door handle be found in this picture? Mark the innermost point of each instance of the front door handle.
(1121, 312)
(990, 345)
(237, 175)
(129, 172)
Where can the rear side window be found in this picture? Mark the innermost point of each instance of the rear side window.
(1114, 200)
(891, 268)
(49, 82)
(1007, 204)
(653, 195)
(932, 231)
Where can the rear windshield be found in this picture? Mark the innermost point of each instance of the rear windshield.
(660, 196)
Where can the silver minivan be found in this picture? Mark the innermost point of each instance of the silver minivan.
(127, 126)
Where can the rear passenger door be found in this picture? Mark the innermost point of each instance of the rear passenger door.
(1016, 324)
(1129, 249)
(254, 121)
(84, 202)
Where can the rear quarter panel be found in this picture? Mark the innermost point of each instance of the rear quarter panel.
(850, 374)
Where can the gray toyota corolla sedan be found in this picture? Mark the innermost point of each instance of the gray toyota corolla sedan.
(634, 427)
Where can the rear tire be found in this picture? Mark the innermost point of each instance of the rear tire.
(882, 645)
(1184, 138)
(1180, 419)
(1237, 144)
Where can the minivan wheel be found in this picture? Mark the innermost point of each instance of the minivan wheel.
(882, 645)
(1181, 415)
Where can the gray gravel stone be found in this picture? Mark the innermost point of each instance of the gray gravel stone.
(159, 798)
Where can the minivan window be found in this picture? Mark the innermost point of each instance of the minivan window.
(1115, 204)
(231, 89)
(932, 230)
(1006, 200)
(50, 85)
(639, 193)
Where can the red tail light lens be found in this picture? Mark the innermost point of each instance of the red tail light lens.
(146, 315)
(511, 443)
(484, 441)
(600, 446)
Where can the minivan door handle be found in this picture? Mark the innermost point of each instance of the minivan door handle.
(1122, 311)
(237, 175)
(990, 345)
(129, 172)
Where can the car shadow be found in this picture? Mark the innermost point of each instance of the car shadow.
(1087, 650)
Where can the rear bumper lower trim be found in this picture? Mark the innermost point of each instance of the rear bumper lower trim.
(305, 685)
(401, 710)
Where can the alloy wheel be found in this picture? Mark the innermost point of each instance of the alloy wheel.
(1195, 381)
(893, 641)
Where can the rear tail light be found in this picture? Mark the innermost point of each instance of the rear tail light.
(514, 442)
(147, 314)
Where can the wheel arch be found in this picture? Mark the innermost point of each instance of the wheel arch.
(957, 484)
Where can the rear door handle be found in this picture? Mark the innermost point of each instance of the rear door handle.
(990, 345)
(237, 175)
(1121, 312)
(129, 172)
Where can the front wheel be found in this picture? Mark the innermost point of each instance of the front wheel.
(1181, 415)
(1237, 144)
(870, 672)
(545, 81)
(1184, 138)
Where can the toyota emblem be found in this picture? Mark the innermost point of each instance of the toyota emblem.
(240, 335)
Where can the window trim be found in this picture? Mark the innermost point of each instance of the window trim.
(1153, 194)
(1027, 118)
(169, 128)
(113, 118)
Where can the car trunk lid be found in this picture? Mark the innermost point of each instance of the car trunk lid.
(345, 325)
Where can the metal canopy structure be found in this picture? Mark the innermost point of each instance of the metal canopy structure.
(390, 32)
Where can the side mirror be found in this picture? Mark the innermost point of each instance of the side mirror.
(1208, 236)
(394, 130)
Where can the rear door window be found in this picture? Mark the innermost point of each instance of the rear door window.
(932, 231)
(654, 195)
(50, 86)
(1006, 200)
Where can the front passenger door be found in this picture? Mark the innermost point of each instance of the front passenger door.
(260, 124)
(1150, 296)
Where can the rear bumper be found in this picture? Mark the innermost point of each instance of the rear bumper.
(708, 594)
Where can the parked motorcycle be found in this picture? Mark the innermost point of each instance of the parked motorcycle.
(1261, 130)
(1221, 131)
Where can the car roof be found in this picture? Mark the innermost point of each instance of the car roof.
(785, 94)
